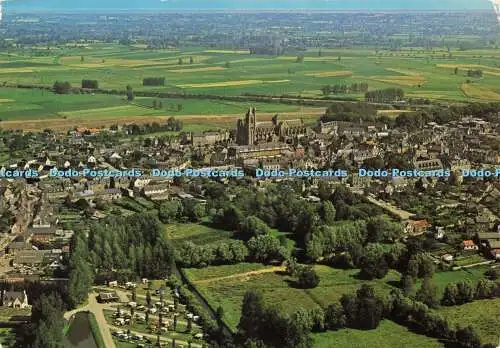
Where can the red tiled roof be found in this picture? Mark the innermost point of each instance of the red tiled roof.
(468, 243)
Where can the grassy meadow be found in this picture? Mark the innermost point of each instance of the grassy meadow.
(387, 335)
(483, 316)
(226, 285)
(38, 109)
(196, 233)
(225, 72)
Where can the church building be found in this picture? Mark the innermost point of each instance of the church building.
(250, 132)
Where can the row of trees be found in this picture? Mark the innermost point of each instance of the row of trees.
(172, 124)
(181, 211)
(47, 323)
(411, 312)
(465, 291)
(132, 247)
(61, 87)
(475, 73)
(344, 89)
(192, 255)
(265, 326)
(352, 112)
(387, 95)
(262, 325)
(153, 81)
(90, 84)
(262, 248)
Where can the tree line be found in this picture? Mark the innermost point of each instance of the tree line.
(263, 325)
(344, 89)
(153, 81)
(172, 124)
(387, 95)
(442, 115)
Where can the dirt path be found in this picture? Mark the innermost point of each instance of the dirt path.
(242, 275)
(402, 214)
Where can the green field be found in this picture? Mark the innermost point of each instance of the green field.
(230, 73)
(420, 73)
(387, 335)
(441, 279)
(483, 316)
(16, 104)
(226, 286)
(196, 233)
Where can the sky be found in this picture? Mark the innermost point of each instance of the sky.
(371, 5)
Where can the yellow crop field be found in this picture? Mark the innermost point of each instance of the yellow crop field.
(229, 83)
(228, 51)
(6, 101)
(468, 66)
(392, 113)
(330, 74)
(404, 72)
(426, 95)
(90, 62)
(312, 59)
(479, 92)
(407, 81)
(207, 68)
(16, 70)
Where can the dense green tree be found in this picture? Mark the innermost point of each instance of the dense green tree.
(253, 226)
(266, 248)
(130, 93)
(408, 285)
(450, 295)
(465, 291)
(47, 322)
(308, 278)
(61, 87)
(428, 293)
(334, 317)
(328, 212)
(381, 228)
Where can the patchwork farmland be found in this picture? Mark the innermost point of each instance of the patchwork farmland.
(421, 73)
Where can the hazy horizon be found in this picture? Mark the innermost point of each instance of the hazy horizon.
(255, 5)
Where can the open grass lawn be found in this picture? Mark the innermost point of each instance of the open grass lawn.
(196, 233)
(387, 335)
(441, 279)
(226, 285)
(483, 315)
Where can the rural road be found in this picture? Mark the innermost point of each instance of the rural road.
(402, 214)
(97, 309)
